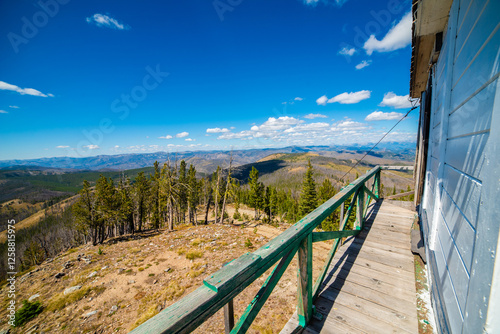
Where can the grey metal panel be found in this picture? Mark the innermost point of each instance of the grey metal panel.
(467, 153)
(435, 141)
(437, 114)
(483, 304)
(472, 11)
(483, 21)
(465, 192)
(475, 115)
(479, 72)
(464, 11)
(449, 296)
(439, 306)
(455, 265)
(434, 165)
(461, 230)
(442, 65)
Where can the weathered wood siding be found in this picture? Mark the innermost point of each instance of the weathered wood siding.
(460, 223)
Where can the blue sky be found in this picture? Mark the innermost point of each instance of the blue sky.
(81, 78)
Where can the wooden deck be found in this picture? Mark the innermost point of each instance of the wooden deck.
(370, 287)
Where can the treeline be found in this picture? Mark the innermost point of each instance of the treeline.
(172, 195)
(53, 234)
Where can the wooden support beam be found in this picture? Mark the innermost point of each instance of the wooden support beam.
(304, 308)
(260, 298)
(331, 254)
(360, 208)
(323, 236)
(377, 188)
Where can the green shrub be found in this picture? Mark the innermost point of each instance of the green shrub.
(248, 243)
(27, 312)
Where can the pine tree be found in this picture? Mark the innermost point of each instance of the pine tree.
(216, 183)
(236, 197)
(141, 192)
(107, 207)
(325, 192)
(207, 196)
(193, 194)
(155, 197)
(126, 211)
(170, 188)
(308, 198)
(85, 212)
(255, 190)
(183, 194)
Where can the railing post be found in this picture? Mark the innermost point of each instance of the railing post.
(341, 219)
(360, 208)
(228, 314)
(228, 317)
(377, 184)
(304, 309)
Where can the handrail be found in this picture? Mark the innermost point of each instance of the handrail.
(219, 288)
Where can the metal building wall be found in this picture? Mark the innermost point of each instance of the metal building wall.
(460, 220)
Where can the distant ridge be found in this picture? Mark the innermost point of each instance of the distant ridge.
(206, 160)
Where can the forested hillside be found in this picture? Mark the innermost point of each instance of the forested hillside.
(279, 188)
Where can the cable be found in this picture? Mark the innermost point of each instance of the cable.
(415, 106)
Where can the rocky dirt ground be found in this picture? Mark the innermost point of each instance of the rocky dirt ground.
(114, 287)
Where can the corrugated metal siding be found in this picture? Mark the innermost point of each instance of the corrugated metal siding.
(463, 101)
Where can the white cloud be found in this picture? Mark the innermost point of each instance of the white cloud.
(345, 51)
(3, 112)
(92, 147)
(182, 134)
(102, 20)
(190, 139)
(166, 137)
(345, 98)
(348, 125)
(275, 124)
(15, 107)
(217, 130)
(319, 126)
(326, 2)
(22, 91)
(239, 135)
(398, 102)
(62, 146)
(117, 146)
(313, 116)
(398, 37)
(322, 100)
(363, 64)
(298, 99)
(383, 116)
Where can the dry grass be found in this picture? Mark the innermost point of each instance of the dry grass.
(145, 316)
(193, 254)
(60, 301)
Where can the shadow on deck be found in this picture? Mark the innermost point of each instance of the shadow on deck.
(370, 287)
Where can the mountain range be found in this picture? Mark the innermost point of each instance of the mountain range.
(206, 161)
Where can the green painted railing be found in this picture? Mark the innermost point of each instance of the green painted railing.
(221, 287)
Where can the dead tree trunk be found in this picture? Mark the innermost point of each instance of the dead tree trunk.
(228, 184)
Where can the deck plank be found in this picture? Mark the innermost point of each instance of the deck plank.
(370, 287)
